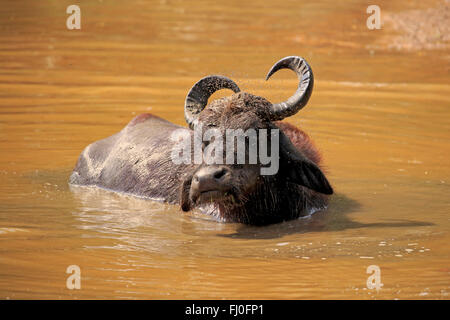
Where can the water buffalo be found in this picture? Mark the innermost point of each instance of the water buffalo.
(138, 160)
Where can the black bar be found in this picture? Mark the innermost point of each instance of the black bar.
(224, 309)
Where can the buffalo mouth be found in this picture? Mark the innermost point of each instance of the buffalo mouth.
(211, 196)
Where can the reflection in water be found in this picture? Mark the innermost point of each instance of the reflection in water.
(381, 123)
(333, 219)
(138, 224)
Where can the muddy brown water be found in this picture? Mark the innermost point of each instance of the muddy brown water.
(380, 118)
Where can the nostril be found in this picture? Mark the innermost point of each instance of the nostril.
(219, 174)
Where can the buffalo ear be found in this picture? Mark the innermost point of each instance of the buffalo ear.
(185, 202)
(307, 174)
(297, 168)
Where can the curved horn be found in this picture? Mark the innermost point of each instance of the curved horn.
(197, 97)
(292, 105)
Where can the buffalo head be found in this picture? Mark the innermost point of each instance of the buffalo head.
(239, 192)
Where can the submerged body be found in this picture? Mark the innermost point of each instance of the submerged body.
(135, 160)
